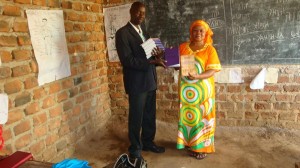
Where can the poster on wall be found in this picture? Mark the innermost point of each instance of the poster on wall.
(3, 108)
(48, 38)
(114, 18)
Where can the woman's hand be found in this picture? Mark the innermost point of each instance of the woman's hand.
(206, 74)
(193, 76)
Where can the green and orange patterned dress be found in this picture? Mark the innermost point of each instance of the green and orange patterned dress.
(197, 116)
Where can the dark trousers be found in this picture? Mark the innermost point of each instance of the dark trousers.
(142, 117)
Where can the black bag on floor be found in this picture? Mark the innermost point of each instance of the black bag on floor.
(124, 162)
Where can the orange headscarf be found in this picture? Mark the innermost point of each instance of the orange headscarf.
(208, 36)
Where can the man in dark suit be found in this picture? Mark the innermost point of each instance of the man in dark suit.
(139, 75)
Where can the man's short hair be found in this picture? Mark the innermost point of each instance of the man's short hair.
(136, 5)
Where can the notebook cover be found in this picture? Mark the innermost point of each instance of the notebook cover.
(172, 57)
(187, 65)
(15, 160)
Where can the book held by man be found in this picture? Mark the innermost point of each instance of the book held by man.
(150, 44)
(187, 65)
(172, 57)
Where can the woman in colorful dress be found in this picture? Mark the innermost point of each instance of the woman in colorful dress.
(197, 117)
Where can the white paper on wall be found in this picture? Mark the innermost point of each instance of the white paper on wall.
(48, 38)
(114, 18)
(235, 75)
(3, 108)
(259, 81)
(271, 75)
(221, 76)
(229, 75)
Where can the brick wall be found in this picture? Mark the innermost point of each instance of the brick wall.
(50, 120)
(277, 105)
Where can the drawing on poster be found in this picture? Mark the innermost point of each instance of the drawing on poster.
(114, 18)
(47, 34)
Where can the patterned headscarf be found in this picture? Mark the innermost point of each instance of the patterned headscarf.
(208, 36)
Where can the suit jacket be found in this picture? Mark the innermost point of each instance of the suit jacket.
(138, 74)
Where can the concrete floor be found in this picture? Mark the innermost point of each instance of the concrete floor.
(236, 147)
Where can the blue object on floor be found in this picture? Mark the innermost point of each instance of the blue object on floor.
(72, 163)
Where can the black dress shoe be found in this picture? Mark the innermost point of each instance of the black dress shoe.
(154, 148)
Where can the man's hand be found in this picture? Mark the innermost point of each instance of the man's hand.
(159, 62)
(157, 53)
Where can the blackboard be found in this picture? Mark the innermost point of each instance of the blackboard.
(245, 31)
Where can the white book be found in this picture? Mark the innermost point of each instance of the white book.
(150, 44)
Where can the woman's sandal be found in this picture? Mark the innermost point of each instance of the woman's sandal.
(200, 156)
(197, 155)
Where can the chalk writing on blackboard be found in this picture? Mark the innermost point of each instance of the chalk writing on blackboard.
(245, 31)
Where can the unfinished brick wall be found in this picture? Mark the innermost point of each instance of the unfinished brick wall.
(49, 120)
(277, 105)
